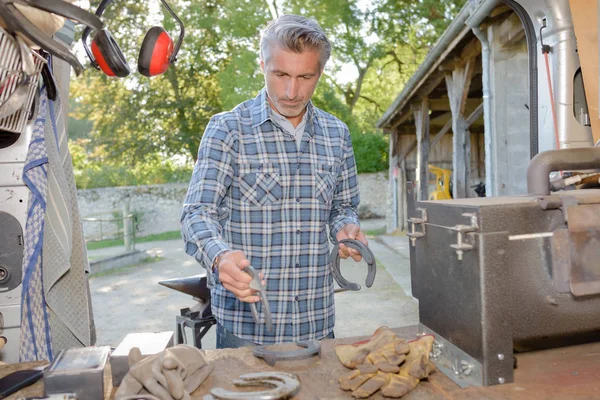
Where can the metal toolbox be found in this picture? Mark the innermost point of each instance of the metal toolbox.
(497, 274)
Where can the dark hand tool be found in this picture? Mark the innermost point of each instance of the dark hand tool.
(256, 284)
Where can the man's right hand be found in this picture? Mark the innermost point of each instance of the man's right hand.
(232, 276)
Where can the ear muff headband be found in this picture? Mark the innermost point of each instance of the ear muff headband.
(172, 56)
(156, 52)
(108, 55)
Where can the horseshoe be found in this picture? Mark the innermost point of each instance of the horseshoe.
(367, 255)
(283, 386)
(310, 349)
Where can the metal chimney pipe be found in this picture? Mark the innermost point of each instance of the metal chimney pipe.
(538, 172)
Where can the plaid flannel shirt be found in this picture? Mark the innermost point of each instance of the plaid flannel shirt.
(253, 190)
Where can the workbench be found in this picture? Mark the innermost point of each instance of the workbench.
(562, 373)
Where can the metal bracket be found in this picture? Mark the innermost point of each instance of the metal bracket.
(457, 365)
(461, 246)
(414, 221)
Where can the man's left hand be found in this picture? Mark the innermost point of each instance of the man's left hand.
(350, 231)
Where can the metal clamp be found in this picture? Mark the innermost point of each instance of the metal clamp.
(460, 247)
(414, 222)
(310, 348)
(256, 284)
(367, 255)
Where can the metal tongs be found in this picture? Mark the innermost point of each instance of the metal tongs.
(256, 284)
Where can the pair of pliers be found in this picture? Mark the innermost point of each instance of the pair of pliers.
(256, 284)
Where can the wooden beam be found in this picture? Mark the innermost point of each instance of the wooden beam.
(458, 83)
(401, 119)
(407, 151)
(471, 50)
(470, 119)
(434, 81)
(438, 136)
(421, 113)
(443, 104)
(477, 112)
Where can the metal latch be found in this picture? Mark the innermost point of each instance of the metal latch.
(461, 246)
(416, 221)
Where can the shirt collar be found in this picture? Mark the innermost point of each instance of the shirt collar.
(261, 111)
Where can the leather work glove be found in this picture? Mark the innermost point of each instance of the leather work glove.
(172, 374)
(385, 362)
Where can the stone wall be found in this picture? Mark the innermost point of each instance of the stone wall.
(159, 206)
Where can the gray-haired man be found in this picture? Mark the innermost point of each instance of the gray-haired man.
(272, 175)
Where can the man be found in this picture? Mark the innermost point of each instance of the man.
(272, 175)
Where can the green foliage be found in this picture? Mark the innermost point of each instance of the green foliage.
(94, 173)
(123, 130)
(101, 244)
(370, 151)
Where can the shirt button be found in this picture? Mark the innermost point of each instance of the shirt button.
(298, 199)
(298, 265)
(296, 298)
(298, 231)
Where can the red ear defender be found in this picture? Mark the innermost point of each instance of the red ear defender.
(156, 52)
(108, 55)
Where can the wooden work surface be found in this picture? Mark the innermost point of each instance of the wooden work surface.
(564, 373)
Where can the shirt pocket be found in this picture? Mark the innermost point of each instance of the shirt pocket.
(325, 182)
(260, 184)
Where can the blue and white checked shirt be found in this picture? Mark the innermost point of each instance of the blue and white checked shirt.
(253, 190)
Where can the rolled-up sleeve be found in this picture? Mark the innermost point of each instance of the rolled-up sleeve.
(202, 209)
(346, 197)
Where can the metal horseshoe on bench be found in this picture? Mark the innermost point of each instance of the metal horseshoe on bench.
(310, 348)
(366, 254)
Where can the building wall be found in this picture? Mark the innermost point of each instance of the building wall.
(510, 116)
(440, 155)
(159, 206)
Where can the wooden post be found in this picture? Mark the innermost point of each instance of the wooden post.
(402, 211)
(127, 227)
(421, 114)
(393, 181)
(458, 83)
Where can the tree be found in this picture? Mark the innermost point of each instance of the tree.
(136, 117)
(135, 120)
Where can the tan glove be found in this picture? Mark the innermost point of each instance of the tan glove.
(394, 366)
(171, 374)
(352, 355)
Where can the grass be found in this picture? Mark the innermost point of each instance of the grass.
(177, 235)
(142, 239)
(375, 232)
(126, 268)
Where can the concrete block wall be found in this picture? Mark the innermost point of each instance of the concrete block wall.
(159, 206)
(510, 116)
